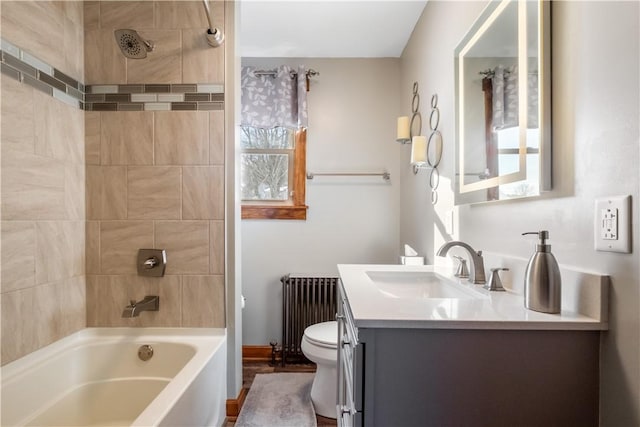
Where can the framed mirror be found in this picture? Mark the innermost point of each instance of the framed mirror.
(503, 104)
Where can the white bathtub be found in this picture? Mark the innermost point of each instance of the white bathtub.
(95, 378)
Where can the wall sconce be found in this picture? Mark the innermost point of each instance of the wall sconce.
(407, 129)
(427, 153)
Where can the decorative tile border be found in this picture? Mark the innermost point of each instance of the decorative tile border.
(26, 68)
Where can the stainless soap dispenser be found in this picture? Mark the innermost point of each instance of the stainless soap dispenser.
(542, 283)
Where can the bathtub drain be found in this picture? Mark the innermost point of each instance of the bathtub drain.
(145, 352)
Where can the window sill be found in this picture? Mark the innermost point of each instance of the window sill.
(274, 212)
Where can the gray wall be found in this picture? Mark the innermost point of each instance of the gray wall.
(595, 57)
(353, 105)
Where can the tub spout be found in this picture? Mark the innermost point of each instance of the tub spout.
(149, 303)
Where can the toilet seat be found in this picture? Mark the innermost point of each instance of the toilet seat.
(323, 334)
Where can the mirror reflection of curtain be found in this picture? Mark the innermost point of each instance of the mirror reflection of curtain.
(500, 87)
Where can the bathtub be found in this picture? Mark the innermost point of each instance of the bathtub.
(96, 378)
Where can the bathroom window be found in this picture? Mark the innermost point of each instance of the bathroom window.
(272, 172)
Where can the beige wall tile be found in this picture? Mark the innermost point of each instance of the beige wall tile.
(216, 137)
(203, 301)
(91, 15)
(59, 250)
(59, 130)
(200, 62)
(74, 191)
(18, 255)
(71, 298)
(203, 192)
(37, 27)
(216, 247)
(119, 244)
(106, 192)
(180, 14)
(127, 138)
(46, 314)
(92, 137)
(154, 192)
(92, 242)
(18, 334)
(187, 245)
(33, 187)
(181, 138)
(126, 14)
(74, 46)
(107, 296)
(164, 64)
(17, 115)
(104, 63)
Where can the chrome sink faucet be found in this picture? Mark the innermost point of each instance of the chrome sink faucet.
(149, 303)
(476, 267)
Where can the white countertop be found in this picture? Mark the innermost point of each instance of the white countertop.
(372, 308)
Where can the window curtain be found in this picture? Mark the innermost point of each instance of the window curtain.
(505, 98)
(279, 100)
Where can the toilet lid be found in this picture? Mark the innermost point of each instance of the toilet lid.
(325, 333)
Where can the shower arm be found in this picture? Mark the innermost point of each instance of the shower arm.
(214, 35)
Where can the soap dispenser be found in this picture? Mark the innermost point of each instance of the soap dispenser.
(542, 281)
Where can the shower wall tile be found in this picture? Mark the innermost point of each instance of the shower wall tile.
(126, 14)
(18, 334)
(204, 295)
(58, 128)
(92, 245)
(107, 296)
(172, 14)
(200, 62)
(103, 61)
(187, 245)
(72, 299)
(203, 192)
(119, 244)
(163, 65)
(74, 191)
(91, 15)
(17, 115)
(92, 138)
(33, 187)
(181, 138)
(216, 138)
(126, 138)
(106, 192)
(216, 247)
(59, 250)
(154, 192)
(18, 255)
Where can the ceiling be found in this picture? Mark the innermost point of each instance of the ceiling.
(327, 28)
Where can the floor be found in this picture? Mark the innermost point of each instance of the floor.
(250, 369)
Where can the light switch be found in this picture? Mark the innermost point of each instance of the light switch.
(612, 223)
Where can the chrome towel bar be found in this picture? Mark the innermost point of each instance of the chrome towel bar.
(385, 175)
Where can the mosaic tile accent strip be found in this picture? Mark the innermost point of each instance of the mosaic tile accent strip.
(26, 68)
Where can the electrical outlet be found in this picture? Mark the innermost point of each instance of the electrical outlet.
(612, 224)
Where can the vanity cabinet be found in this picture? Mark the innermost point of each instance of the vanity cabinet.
(414, 376)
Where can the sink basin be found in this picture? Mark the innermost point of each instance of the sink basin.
(419, 285)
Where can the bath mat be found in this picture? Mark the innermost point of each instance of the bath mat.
(278, 400)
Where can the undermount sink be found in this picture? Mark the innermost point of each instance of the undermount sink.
(419, 285)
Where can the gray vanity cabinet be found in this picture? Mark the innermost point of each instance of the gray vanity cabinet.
(465, 377)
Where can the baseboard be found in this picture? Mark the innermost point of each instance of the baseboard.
(258, 353)
(234, 405)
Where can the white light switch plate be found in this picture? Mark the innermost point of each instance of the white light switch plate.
(612, 224)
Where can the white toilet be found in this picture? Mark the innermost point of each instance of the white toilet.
(320, 344)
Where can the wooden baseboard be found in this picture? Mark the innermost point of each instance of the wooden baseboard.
(234, 405)
(257, 353)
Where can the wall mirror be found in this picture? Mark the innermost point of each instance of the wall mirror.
(503, 109)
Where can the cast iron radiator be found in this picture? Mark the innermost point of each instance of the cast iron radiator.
(306, 300)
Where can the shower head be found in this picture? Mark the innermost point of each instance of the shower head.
(132, 45)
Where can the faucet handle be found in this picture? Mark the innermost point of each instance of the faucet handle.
(132, 302)
(495, 284)
(462, 271)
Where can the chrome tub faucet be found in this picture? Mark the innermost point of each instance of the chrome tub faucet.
(476, 267)
(149, 303)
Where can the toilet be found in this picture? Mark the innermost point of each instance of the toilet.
(320, 344)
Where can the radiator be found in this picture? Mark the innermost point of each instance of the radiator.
(306, 300)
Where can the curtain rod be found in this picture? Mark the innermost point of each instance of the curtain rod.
(273, 73)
